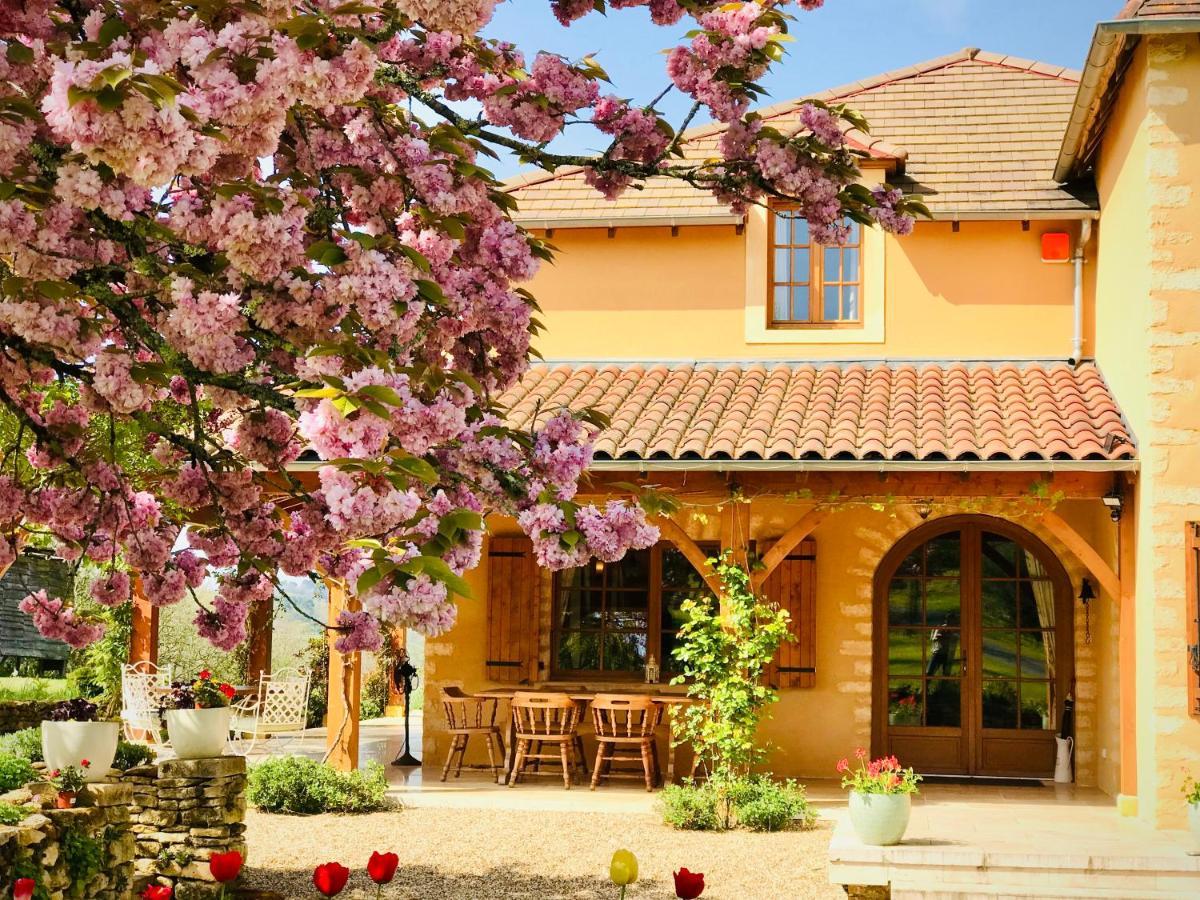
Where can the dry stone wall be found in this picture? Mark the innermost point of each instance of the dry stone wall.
(155, 824)
(16, 715)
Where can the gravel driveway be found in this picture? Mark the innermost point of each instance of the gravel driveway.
(470, 854)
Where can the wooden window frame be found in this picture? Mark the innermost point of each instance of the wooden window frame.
(654, 626)
(1192, 662)
(816, 281)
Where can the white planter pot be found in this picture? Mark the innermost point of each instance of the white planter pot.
(69, 743)
(880, 819)
(198, 733)
(1194, 821)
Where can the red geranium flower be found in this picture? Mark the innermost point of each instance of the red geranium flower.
(228, 691)
(689, 885)
(23, 889)
(382, 867)
(225, 866)
(205, 674)
(85, 763)
(158, 892)
(330, 878)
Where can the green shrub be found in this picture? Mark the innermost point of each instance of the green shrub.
(761, 803)
(374, 694)
(130, 754)
(690, 807)
(35, 688)
(15, 772)
(26, 743)
(756, 802)
(11, 814)
(296, 784)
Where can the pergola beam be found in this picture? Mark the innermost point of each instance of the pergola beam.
(1085, 553)
(345, 688)
(788, 542)
(674, 532)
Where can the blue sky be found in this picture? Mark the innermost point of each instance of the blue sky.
(844, 41)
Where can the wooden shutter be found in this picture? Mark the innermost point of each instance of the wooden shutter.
(793, 585)
(514, 598)
(1193, 617)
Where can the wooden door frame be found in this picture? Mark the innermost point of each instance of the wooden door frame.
(885, 571)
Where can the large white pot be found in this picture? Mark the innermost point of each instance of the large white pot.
(880, 819)
(69, 743)
(1194, 820)
(198, 733)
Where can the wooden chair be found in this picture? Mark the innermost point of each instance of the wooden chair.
(466, 715)
(625, 728)
(541, 719)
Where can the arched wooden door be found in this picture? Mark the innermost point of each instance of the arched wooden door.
(973, 650)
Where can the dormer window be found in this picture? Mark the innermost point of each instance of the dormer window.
(811, 285)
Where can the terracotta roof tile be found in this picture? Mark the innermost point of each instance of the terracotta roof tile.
(1146, 9)
(976, 132)
(834, 411)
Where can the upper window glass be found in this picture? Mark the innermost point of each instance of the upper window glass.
(811, 284)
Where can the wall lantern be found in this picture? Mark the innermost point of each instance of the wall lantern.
(1086, 596)
(1056, 247)
(1115, 504)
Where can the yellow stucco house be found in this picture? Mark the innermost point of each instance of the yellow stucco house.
(967, 459)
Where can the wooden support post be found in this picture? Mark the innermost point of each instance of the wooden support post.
(260, 626)
(735, 532)
(345, 689)
(143, 638)
(1127, 661)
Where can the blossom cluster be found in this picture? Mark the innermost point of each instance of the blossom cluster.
(231, 239)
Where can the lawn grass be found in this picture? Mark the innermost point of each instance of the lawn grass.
(18, 688)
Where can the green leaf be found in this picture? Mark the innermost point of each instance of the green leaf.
(327, 253)
(382, 393)
(417, 468)
(109, 98)
(318, 393)
(111, 30)
(460, 519)
(18, 54)
(437, 569)
(76, 95)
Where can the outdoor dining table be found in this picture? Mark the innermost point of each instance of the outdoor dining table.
(583, 697)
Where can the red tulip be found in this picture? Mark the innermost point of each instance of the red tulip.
(330, 878)
(689, 885)
(158, 892)
(225, 866)
(382, 867)
(23, 889)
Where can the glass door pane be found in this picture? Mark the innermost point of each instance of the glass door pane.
(925, 649)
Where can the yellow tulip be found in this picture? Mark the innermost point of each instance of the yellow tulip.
(623, 870)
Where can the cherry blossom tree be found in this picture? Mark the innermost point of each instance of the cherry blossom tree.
(240, 231)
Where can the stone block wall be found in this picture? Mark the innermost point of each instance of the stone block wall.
(155, 824)
(16, 715)
(183, 811)
(53, 846)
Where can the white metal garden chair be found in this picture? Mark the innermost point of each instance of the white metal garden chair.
(279, 709)
(143, 685)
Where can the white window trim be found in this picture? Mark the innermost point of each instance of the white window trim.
(873, 265)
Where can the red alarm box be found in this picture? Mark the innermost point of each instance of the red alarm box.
(1056, 247)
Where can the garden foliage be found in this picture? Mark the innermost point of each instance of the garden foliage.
(299, 785)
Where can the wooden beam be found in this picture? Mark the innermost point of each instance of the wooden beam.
(395, 703)
(788, 542)
(817, 487)
(260, 626)
(1085, 553)
(345, 689)
(673, 532)
(143, 636)
(735, 532)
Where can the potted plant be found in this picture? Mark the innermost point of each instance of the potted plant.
(880, 797)
(904, 711)
(68, 783)
(72, 733)
(1191, 796)
(197, 716)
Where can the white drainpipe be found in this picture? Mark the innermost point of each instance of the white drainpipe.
(1085, 235)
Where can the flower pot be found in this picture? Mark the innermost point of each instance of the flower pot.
(1194, 820)
(880, 819)
(64, 800)
(69, 743)
(198, 733)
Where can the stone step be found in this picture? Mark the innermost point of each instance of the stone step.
(1048, 891)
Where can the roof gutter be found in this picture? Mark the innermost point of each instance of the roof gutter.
(880, 466)
(1107, 40)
